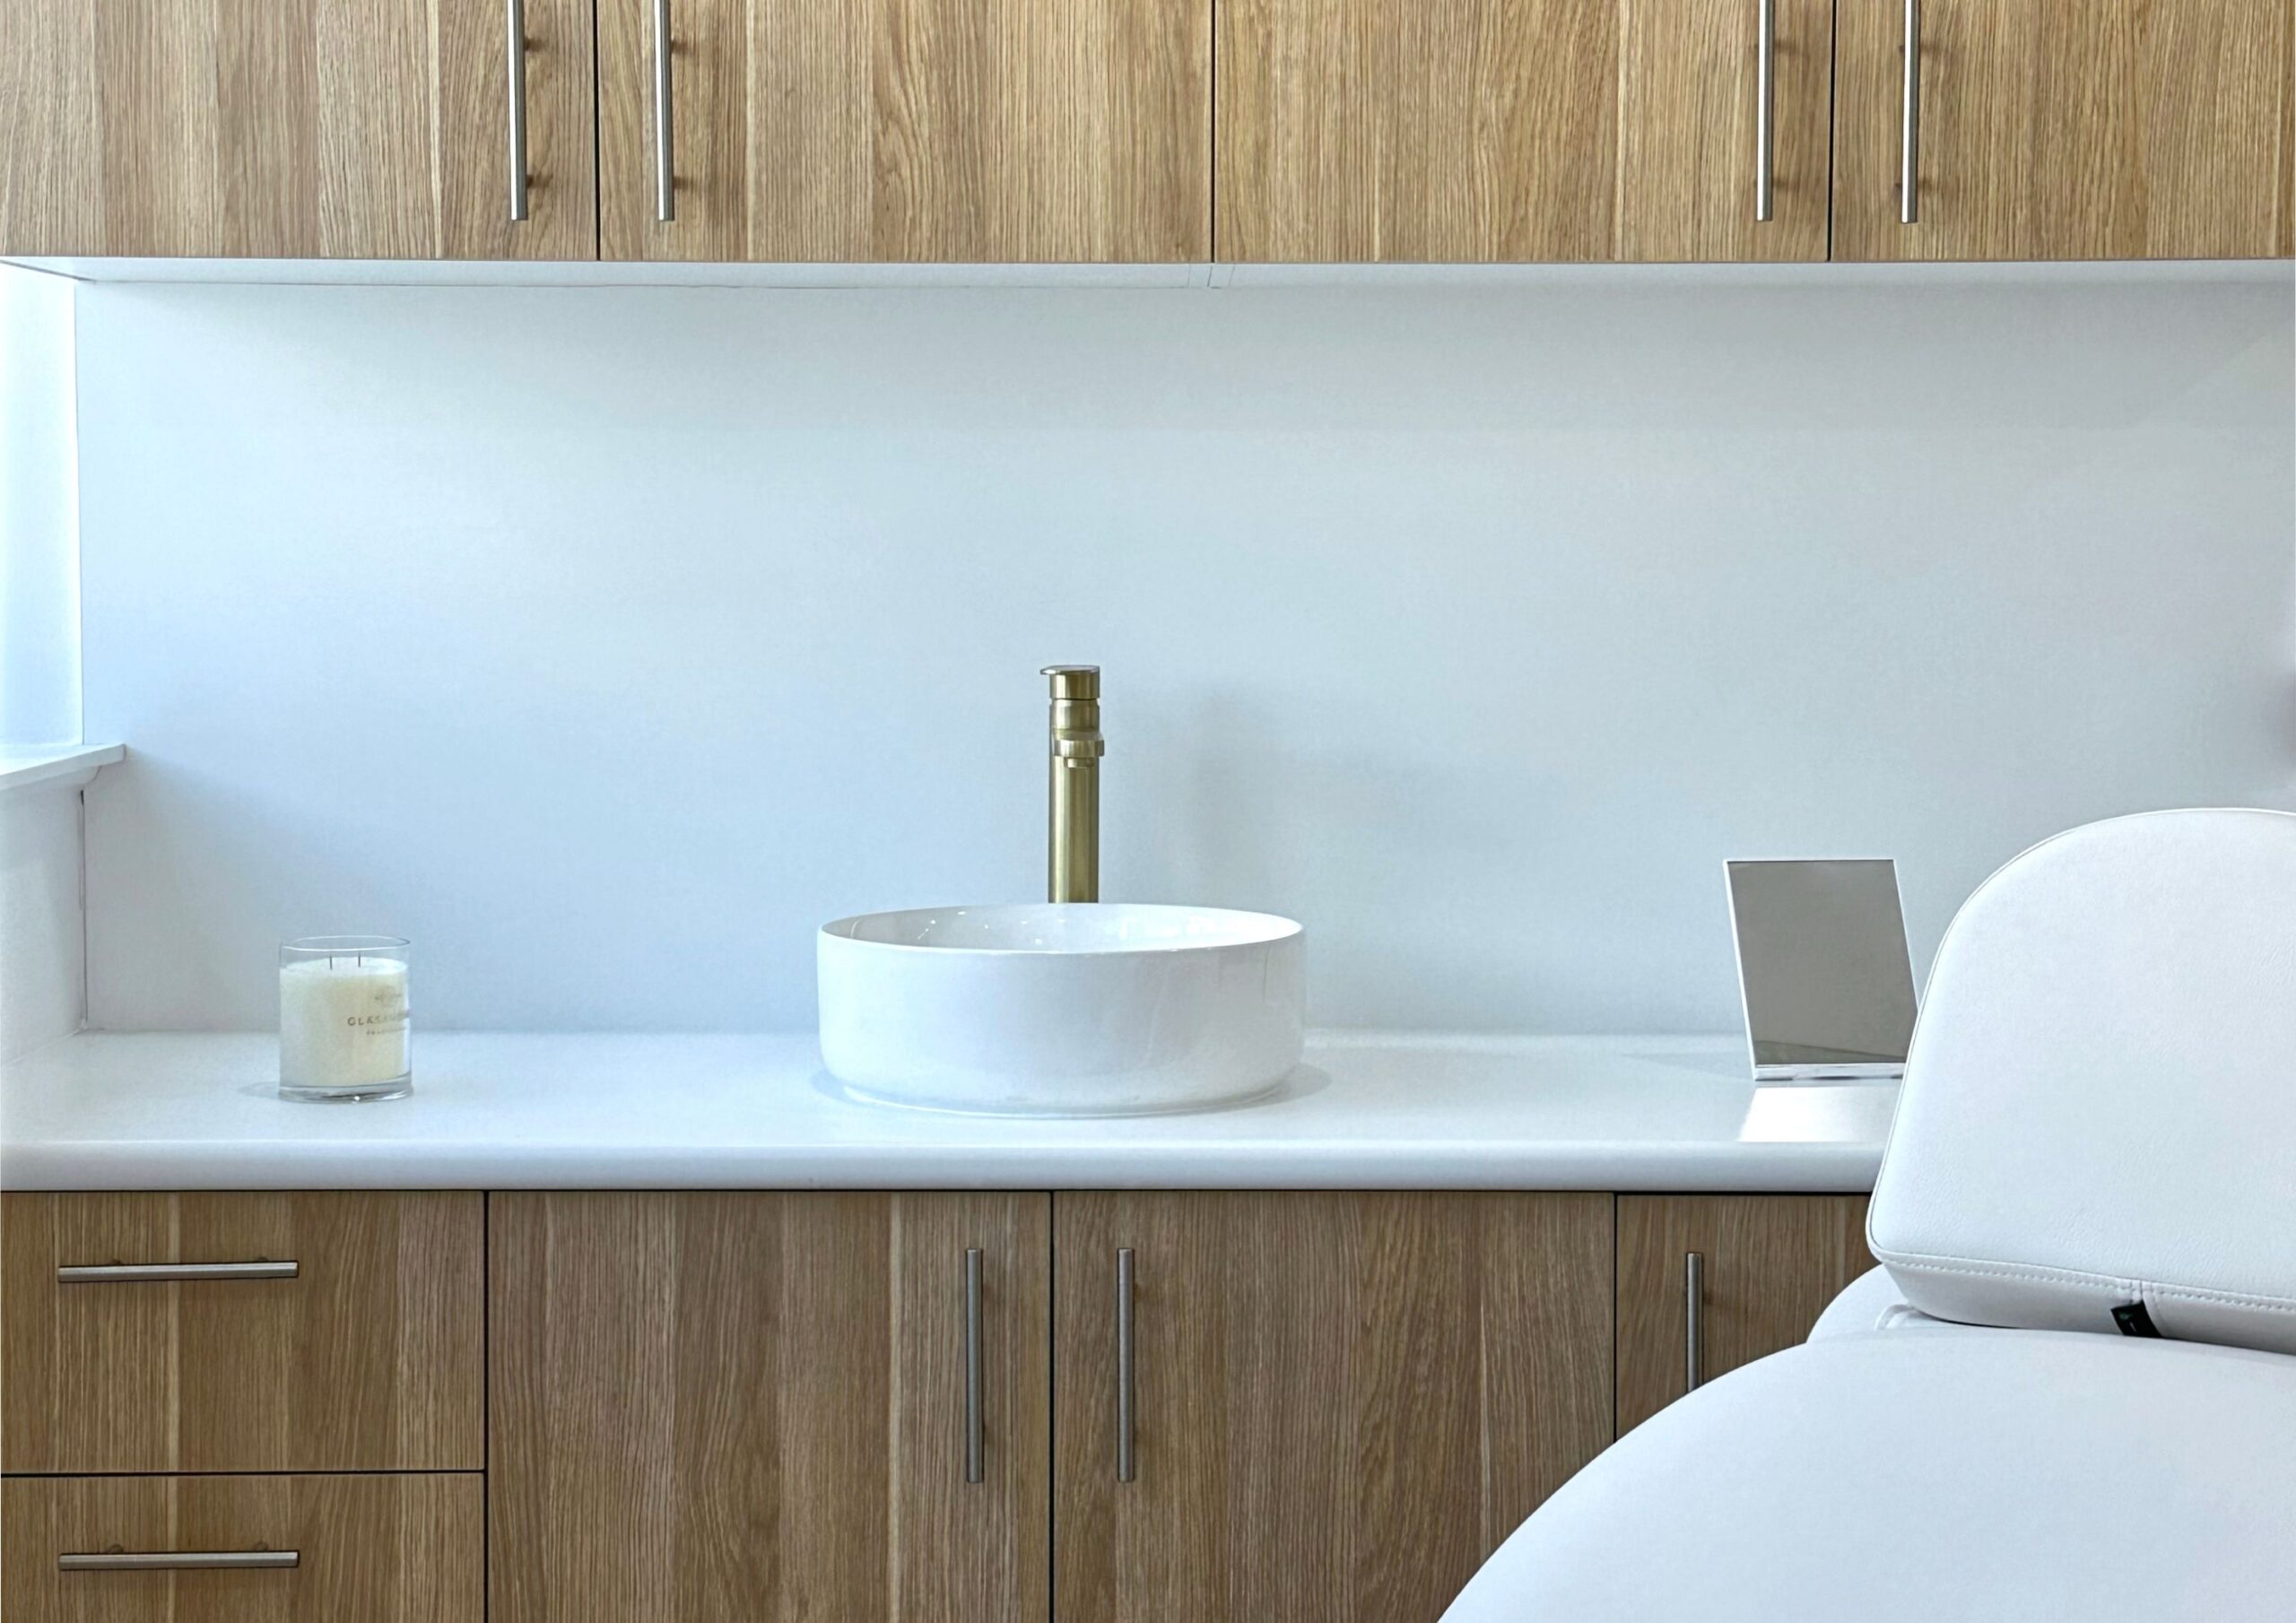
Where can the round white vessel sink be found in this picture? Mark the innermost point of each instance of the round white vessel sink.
(1062, 1008)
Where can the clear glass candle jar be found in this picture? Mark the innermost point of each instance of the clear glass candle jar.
(343, 1029)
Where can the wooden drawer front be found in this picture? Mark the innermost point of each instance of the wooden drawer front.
(368, 1549)
(1768, 1265)
(369, 1359)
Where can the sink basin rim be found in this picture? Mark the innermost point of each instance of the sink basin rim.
(1244, 927)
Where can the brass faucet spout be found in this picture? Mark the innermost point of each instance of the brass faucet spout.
(1072, 863)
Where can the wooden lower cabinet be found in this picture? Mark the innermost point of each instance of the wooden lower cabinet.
(1768, 1265)
(1341, 1401)
(400, 1549)
(750, 1408)
(1291, 1407)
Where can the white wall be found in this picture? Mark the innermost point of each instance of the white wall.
(41, 929)
(42, 942)
(606, 641)
(40, 563)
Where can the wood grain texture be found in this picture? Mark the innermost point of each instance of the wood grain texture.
(1345, 1401)
(291, 129)
(1772, 1263)
(370, 1359)
(913, 130)
(374, 1549)
(1445, 130)
(1515, 130)
(2070, 129)
(1689, 135)
(748, 1409)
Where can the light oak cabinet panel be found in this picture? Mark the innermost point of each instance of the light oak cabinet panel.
(2069, 129)
(369, 1359)
(1769, 1264)
(911, 130)
(752, 1408)
(1516, 130)
(408, 1549)
(1690, 139)
(1344, 1401)
(291, 129)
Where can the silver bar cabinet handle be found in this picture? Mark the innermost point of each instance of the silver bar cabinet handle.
(171, 1560)
(1694, 1319)
(1766, 111)
(516, 64)
(1909, 131)
(972, 1365)
(665, 203)
(1125, 1399)
(153, 1273)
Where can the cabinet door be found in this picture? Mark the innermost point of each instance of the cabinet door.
(387, 1549)
(1340, 1404)
(753, 1408)
(914, 130)
(365, 1357)
(2066, 129)
(291, 128)
(1766, 1267)
(1518, 130)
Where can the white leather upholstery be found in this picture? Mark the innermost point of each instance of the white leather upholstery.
(1873, 1301)
(1891, 1478)
(2099, 1105)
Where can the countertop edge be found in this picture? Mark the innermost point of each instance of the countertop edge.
(1625, 1169)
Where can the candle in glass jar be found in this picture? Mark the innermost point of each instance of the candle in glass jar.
(343, 1017)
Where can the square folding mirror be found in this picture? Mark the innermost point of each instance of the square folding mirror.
(1823, 969)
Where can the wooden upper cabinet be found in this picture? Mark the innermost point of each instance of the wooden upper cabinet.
(2067, 129)
(1766, 1266)
(910, 130)
(291, 129)
(754, 1408)
(1341, 1403)
(1518, 130)
(367, 1357)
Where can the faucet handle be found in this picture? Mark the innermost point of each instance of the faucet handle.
(1073, 681)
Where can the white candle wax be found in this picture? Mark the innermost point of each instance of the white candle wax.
(342, 1022)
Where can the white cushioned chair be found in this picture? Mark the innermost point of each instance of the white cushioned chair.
(2087, 1210)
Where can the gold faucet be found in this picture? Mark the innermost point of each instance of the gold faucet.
(1074, 865)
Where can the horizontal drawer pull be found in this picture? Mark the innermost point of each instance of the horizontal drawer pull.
(169, 1560)
(147, 1274)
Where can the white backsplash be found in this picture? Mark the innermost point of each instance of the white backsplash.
(606, 641)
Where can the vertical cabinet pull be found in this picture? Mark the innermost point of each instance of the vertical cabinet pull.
(161, 1273)
(174, 1560)
(665, 203)
(516, 64)
(1125, 1371)
(1694, 1319)
(972, 1366)
(1910, 128)
(1765, 110)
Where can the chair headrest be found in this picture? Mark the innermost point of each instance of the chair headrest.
(2099, 1105)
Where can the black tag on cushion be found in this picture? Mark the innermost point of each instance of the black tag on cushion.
(2134, 1320)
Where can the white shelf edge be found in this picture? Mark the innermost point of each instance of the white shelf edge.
(60, 766)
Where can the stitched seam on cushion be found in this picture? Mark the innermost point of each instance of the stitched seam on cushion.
(2068, 1276)
(2261, 1304)
(2004, 1271)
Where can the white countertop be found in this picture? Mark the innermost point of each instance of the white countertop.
(514, 1111)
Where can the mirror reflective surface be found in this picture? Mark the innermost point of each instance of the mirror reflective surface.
(1823, 964)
